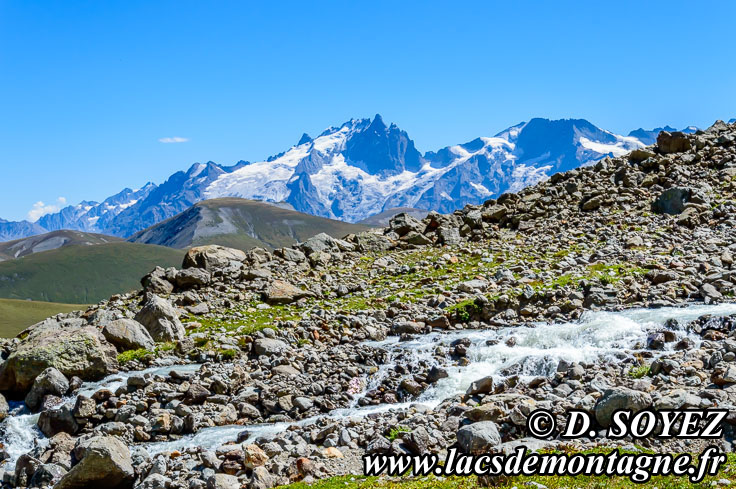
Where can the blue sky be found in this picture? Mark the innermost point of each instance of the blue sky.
(88, 89)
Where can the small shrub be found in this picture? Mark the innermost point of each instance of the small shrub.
(131, 355)
(639, 371)
(394, 433)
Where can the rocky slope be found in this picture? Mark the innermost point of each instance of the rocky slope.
(353, 171)
(427, 334)
(240, 223)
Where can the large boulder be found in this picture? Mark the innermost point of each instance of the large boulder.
(404, 223)
(618, 398)
(320, 242)
(157, 282)
(105, 462)
(54, 421)
(212, 256)
(675, 142)
(478, 437)
(4, 407)
(269, 346)
(161, 319)
(51, 381)
(281, 292)
(72, 347)
(127, 334)
(672, 201)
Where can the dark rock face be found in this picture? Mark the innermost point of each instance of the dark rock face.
(672, 201)
(675, 142)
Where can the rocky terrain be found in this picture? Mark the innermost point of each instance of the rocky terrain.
(603, 288)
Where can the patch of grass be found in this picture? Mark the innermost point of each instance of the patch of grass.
(639, 371)
(130, 355)
(463, 311)
(395, 432)
(228, 355)
(17, 315)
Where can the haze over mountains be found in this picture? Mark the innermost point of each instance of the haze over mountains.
(353, 172)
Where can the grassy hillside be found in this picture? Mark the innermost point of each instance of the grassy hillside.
(82, 274)
(17, 315)
(51, 241)
(240, 223)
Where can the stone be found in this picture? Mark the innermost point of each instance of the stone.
(192, 277)
(104, 461)
(281, 292)
(71, 349)
(128, 334)
(157, 283)
(4, 408)
(478, 437)
(161, 319)
(261, 479)
(47, 475)
(223, 481)
(481, 386)
(404, 223)
(50, 381)
(674, 142)
(671, 201)
(53, 421)
(210, 257)
(619, 398)
(254, 457)
(368, 241)
(269, 347)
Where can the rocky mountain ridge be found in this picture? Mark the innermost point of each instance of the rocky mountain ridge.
(287, 364)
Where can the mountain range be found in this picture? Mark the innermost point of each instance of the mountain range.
(354, 171)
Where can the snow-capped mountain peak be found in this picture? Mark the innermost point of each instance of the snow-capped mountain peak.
(356, 170)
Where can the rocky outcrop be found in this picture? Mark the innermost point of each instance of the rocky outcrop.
(104, 461)
(69, 346)
(212, 256)
(127, 334)
(160, 319)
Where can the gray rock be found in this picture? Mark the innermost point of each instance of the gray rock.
(671, 201)
(161, 319)
(47, 475)
(127, 334)
(223, 481)
(192, 277)
(282, 292)
(675, 142)
(212, 256)
(478, 437)
(50, 381)
(71, 347)
(104, 462)
(269, 347)
(481, 386)
(620, 398)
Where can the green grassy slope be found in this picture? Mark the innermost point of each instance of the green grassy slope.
(51, 241)
(17, 315)
(241, 223)
(82, 274)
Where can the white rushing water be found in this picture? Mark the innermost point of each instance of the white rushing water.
(607, 336)
(538, 350)
(20, 434)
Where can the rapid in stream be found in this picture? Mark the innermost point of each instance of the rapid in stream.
(597, 336)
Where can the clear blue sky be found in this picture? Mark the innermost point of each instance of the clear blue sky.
(87, 89)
